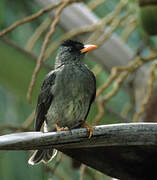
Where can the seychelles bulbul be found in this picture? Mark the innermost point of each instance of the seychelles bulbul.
(65, 96)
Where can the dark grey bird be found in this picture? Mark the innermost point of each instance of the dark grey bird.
(66, 95)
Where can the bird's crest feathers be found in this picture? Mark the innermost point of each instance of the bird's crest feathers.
(73, 44)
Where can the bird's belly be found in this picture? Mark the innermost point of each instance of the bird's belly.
(67, 113)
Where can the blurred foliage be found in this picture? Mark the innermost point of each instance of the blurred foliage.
(148, 19)
(24, 64)
(16, 68)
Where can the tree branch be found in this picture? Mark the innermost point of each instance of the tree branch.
(105, 135)
(113, 149)
(30, 18)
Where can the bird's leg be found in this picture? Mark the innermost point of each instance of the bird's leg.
(88, 127)
(61, 128)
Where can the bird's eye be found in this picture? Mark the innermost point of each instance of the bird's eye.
(71, 49)
(79, 47)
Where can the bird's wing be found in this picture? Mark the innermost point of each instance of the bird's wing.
(94, 92)
(93, 95)
(44, 100)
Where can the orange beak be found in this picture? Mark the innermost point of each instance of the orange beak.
(88, 47)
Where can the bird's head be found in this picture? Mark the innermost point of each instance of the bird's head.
(72, 51)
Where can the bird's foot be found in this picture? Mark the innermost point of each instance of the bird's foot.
(61, 128)
(88, 127)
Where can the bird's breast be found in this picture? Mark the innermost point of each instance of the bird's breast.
(72, 92)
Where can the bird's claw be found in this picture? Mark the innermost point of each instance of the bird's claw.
(88, 127)
(61, 128)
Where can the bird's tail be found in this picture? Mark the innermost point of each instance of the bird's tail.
(44, 156)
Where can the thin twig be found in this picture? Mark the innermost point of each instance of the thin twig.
(112, 77)
(134, 65)
(37, 34)
(13, 128)
(82, 171)
(69, 35)
(101, 111)
(86, 29)
(148, 94)
(44, 46)
(30, 18)
(129, 29)
(97, 69)
(127, 108)
(102, 108)
(93, 4)
(119, 79)
(28, 122)
(113, 20)
(113, 26)
(117, 84)
(24, 128)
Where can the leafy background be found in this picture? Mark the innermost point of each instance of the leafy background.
(16, 67)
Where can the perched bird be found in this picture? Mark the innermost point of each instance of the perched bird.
(66, 95)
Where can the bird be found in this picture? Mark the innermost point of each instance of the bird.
(66, 95)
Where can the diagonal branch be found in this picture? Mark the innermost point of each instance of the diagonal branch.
(44, 47)
(29, 18)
